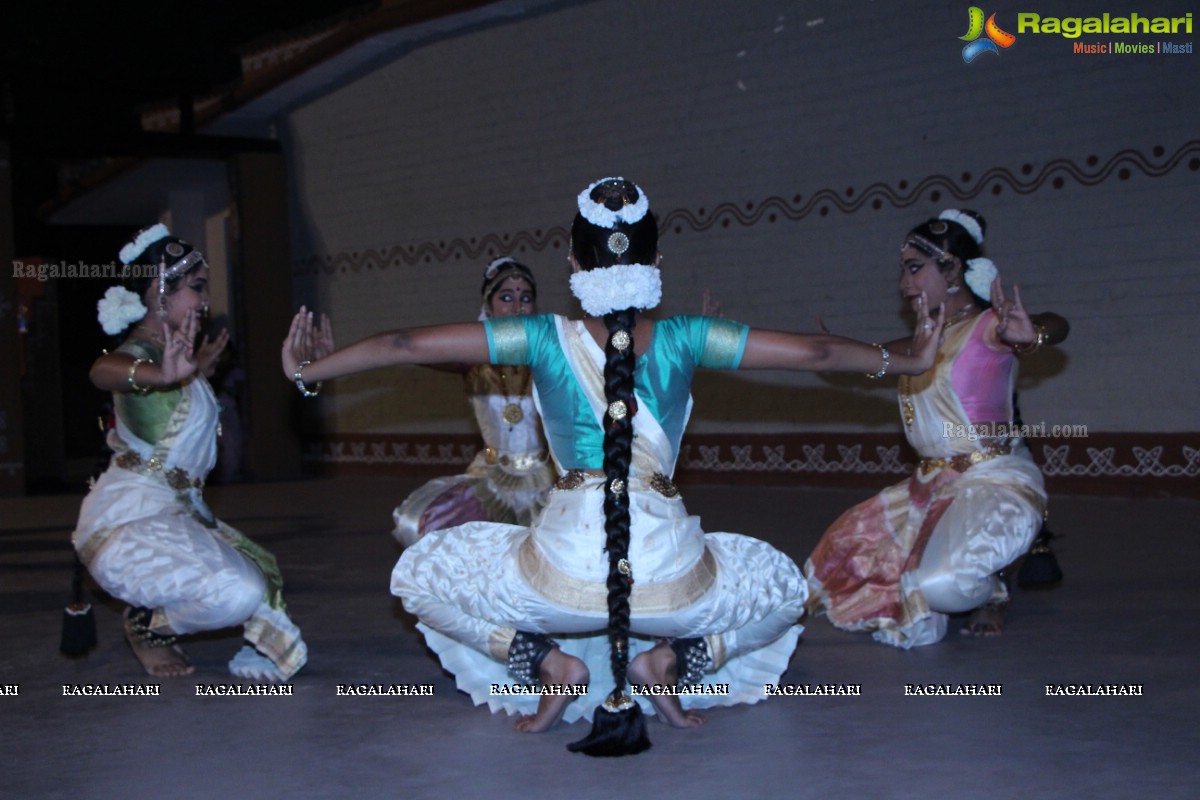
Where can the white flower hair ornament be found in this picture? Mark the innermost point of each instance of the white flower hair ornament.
(979, 275)
(603, 216)
(118, 309)
(496, 264)
(969, 223)
(616, 288)
(143, 240)
(488, 274)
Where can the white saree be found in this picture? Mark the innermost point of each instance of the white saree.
(474, 586)
(507, 481)
(147, 538)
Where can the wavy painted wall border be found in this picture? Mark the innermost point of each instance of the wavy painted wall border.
(1025, 180)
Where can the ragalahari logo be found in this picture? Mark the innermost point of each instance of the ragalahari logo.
(996, 38)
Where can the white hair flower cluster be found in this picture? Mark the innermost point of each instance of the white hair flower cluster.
(601, 215)
(979, 275)
(969, 223)
(118, 309)
(616, 288)
(143, 240)
(496, 264)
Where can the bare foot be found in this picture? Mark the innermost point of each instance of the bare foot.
(558, 669)
(160, 662)
(987, 620)
(657, 667)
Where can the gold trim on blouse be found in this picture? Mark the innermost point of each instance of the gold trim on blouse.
(722, 345)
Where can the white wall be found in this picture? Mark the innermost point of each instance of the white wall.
(490, 134)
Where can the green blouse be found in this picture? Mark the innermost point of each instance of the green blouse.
(146, 415)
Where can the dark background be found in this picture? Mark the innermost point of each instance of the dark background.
(76, 73)
(75, 76)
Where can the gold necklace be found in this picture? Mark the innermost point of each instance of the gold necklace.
(512, 412)
(906, 403)
(959, 315)
(908, 409)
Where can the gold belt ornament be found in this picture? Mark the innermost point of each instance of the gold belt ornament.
(175, 477)
(573, 479)
(522, 462)
(964, 461)
(663, 485)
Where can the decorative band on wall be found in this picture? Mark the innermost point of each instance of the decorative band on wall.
(398, 453)
(1127, 464)
(1027, 179)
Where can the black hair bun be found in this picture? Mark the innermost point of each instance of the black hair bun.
(615, 194)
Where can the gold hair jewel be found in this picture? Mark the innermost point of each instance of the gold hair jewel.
(617, 410)
(621, 341)
(618, 243)
(621, 702)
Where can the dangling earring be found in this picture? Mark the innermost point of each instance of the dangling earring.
(162, 288)
(953, 288)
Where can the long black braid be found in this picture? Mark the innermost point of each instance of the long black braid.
(618, 727)
(618, 452)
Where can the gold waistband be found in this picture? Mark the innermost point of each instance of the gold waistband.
(151, 467)
(522, 462)
(964, 461)
(575, 478)
(592, 596)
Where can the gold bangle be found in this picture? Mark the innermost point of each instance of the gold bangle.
(133, 385)
(1039, 339)
(298, 376)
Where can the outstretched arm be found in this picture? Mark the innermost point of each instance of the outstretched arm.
(463, 342)
(824, 353)
(903, 345)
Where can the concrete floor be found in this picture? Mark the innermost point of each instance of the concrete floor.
(1126, 613)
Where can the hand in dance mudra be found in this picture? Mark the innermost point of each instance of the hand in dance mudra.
(179, 357)
(1014, 324)
(927, 332)
(306, 341)
(209, 351)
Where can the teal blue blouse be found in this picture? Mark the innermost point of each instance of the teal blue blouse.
(662, 376)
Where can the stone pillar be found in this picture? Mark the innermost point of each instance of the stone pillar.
(261, 283)
(12, 451)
